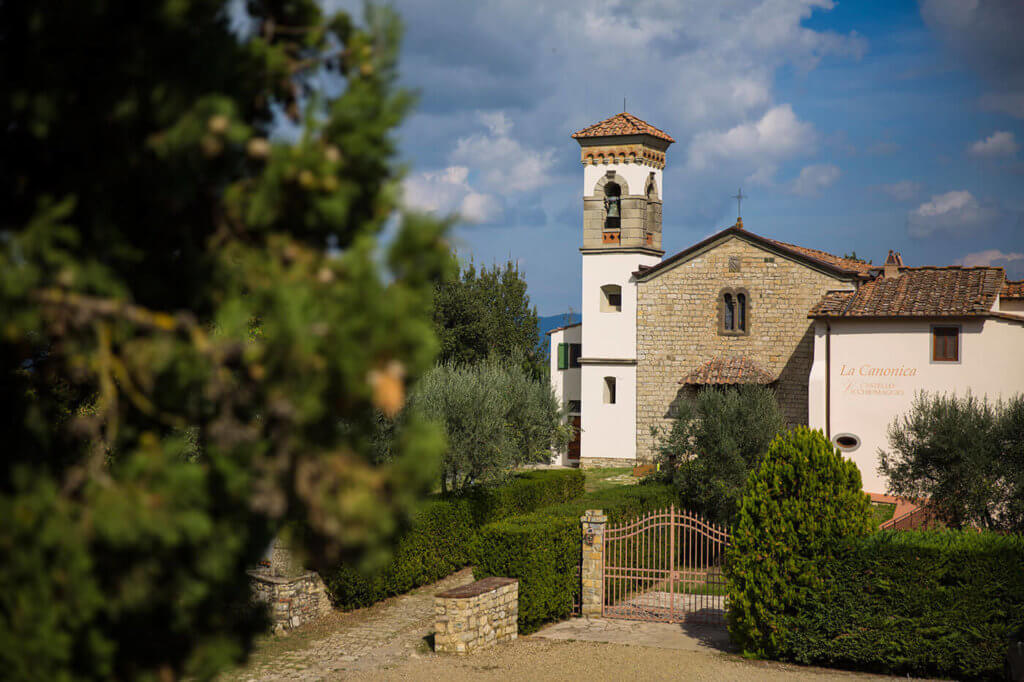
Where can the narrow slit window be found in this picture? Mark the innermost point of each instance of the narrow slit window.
(946, 344)
(609, 390)
(741, 312)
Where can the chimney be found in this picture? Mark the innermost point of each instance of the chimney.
(893, 263)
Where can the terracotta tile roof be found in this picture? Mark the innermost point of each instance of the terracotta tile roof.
(844, 267)
(622, 124)
(564, 326)
(952, 291)
(729, 370)
(831, 259)
(1013, 290)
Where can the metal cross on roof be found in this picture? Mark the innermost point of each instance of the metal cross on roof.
(739, 197)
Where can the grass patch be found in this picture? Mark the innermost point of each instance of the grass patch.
(600, 479)
(882, 512)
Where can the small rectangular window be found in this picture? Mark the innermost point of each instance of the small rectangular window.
(609, 390)
(611, 298)
(573, 407)
(945, 344)
(563, 356)
(575, 351)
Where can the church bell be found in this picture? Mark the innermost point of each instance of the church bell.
(611, 205)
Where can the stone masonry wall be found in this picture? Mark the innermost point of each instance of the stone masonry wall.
(476, 616)
(677, 328)
(292, 600)
(605, 462)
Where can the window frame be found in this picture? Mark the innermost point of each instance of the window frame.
(932, 337)
(735, 293)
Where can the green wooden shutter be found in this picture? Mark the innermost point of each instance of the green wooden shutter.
(563, 356)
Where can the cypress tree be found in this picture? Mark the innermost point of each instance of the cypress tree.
(796, 505)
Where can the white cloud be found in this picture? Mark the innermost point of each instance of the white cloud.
(1012, 262)
(904, 190)
(484, 167)
(480, 208)
(448, 191)
(814, 178)
(776, 136)
(989, 257)
(956, 211)
(503, 162)
(999, 143)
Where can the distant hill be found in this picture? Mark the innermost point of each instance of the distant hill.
(548, 323)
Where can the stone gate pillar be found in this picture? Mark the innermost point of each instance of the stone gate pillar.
(592, 565)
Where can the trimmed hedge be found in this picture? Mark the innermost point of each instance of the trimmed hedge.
(440, 539)
(928, 603)
(525, 493)
(543, 553)
(542, 549)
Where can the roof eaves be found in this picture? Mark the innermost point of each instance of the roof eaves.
(565, 326)
(769, 244)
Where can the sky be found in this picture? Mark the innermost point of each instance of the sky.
(851, 126)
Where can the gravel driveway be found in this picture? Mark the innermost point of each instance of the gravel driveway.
(537, 659)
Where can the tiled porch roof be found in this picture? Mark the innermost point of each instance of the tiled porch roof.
(729, 370)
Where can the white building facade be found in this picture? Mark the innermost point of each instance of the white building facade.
(908, 331)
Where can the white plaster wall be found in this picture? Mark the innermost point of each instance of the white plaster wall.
(991, 364)
(816, 381)
(635, 174)
(609, 431)
(611, 334)
(1013, 307)
(565, 383)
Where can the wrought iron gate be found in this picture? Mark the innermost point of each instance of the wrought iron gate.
(665, 566)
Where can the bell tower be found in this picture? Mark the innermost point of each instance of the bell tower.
(623, 158)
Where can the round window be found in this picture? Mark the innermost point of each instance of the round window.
(846, 442)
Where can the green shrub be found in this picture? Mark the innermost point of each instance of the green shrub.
(966, 455)
(525, 493)
(436, 545)
(542, 549)
(923, 603)
(716, 440)
(797, 504)
(439, 541)
(543, 552)
(496, 416)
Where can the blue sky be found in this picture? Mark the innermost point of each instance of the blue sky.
(851, 126)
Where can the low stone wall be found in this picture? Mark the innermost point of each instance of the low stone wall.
(606, 462)
(292, 600)
(476, 616)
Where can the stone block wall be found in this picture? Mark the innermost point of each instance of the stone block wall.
(605, 462)
(291, 600)
(677, 328)
(476, 616)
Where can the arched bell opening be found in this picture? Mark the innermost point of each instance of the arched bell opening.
(612, 206)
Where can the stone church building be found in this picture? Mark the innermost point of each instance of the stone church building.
(739, 307)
